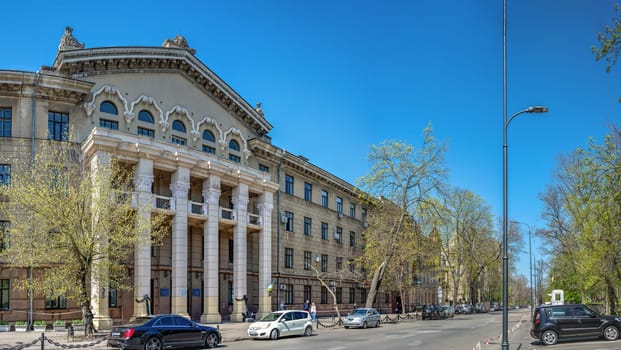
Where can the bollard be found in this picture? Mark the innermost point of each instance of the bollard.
(70, 331)
(42, 339)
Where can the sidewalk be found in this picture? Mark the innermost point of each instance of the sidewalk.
(231, 331)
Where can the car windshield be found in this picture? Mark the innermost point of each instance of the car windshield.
(358, 312)
(271, 317)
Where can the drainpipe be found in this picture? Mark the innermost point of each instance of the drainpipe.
(33, 108)
(278, 223)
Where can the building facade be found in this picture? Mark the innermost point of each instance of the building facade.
(252, 225)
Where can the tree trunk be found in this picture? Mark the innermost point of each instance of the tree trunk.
(377, 277)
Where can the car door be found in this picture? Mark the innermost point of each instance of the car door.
(166, 327)
(563, 320)
(186, 332)
(374, 316)
(588, 321)
(287, 324)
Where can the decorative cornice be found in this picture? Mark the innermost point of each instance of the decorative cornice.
(96, 61)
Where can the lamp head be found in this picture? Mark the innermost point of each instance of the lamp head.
(537, 109)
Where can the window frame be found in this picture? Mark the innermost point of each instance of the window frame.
(308, 192)
(5, 174)
(288, 258)
(58, 126)
(289, 182)
(308, 226)
(6, 121)
(324, 198)
(113, 109)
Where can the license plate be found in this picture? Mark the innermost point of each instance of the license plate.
(116, 334)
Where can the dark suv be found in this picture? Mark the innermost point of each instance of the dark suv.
(553, 322)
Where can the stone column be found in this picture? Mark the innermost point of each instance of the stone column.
(265, 252)
(211, 196)
(179, 186)
(240, 268)
(142, 255)
(99, 278)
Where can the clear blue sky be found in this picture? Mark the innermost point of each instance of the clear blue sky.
(337, 76)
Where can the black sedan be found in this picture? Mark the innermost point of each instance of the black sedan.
(156, 332)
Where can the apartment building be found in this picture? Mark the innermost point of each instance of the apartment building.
(252, 224)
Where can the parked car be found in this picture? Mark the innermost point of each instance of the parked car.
(431, 312)
(363, 318)
(552, 323)
(448, 311)
(156, 332)
(282, 324)
(465, 308)
(481, 308)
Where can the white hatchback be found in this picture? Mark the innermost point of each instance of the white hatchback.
(282, 324)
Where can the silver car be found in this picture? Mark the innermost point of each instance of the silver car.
(281, 324)
(363, 318)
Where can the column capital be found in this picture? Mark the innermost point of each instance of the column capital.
(180, 189)
(265, 209)
(240, 202)
(143, 183)
(212, 195)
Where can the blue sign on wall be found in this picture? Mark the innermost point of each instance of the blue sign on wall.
(164, 292)
(196, 292)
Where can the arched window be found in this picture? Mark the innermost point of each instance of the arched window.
(108, 107)
(208, 136)
(145, 116)
(178, 126)
(234, 145)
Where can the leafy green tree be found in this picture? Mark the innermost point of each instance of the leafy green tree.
(73, 221)
(401, 178)
(583, 211)
(610, 42)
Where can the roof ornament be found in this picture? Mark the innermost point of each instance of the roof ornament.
(259, 109)
(68, 41)
(178, 42)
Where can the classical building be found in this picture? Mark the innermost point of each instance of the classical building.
(252, 225)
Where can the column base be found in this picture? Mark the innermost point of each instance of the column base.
(211, 318)
(239, 307)
(102, 323)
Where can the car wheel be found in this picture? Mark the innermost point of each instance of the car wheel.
(274, 334)
(364, 324)
(346, 327)
(611, 333)
(549, 337)
(377, 323)
(153, 343)
(212, 340)
(308, 331)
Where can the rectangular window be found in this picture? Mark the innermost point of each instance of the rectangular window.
(308, 260)
(112, 297)
(352, 239)
(307, 226)
(289, 184)
(58, 126)
(109, 124)
(4, 294)
(4, 234)
(308, 192)
(339, 294)
(324, 231)
(289, 294)
(364, 214)
(234, 158)
(59, 302)
(352, 295)
(231, 245)
(339, 205)
(324, 199)
(324, 295)
(339, 263)
(178, 140)
(289, 258)
(5, 122)
(146, 132)
(209, 149)
(308, 295)
(288, 221)
(363, 295)
(264, 168)
(5, 174)
(352, 266)
(324, 263)
(338, 235)
(352, 210)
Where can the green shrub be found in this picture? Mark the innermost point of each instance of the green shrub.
(4, 323)
(21, 323)
(40, 323)
(79, 322)
(59, 323)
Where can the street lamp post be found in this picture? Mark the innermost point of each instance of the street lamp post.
(505, 220)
